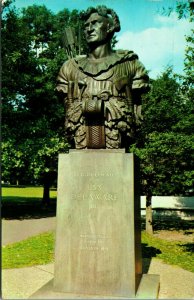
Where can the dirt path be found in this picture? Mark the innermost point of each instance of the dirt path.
(176, 235)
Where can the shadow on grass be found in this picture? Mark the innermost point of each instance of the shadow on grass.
(26, 208)
(169, 223)
(148, 252)
(13, 186)
(188, 247)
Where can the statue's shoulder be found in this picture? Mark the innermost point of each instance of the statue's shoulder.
(123, 52)
(71, 64)
(97, 66)
(126, 54)
(74, 62)
(78, 57)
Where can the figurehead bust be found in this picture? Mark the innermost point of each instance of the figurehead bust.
(102, 90)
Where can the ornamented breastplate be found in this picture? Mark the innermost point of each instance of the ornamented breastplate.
(99, 102)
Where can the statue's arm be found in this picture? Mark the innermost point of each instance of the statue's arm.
(140, 85)
(140, 79)
(62, 82)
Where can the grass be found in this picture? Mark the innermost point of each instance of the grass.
(14, 193)
(39, 250)
(26, 203)
(174, 253)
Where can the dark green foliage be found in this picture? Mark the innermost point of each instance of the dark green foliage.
(32, 116)
(163, 104)
(166, 140)
(165, 143)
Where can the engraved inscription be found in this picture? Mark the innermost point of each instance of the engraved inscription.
(94, 186)
(94, 198)
(94, 174)
(93, 242)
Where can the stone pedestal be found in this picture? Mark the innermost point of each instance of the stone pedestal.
(98, 238)
(98, 224)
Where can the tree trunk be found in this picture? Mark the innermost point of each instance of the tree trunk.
(48, 178)
(149, 224)
(46, 191)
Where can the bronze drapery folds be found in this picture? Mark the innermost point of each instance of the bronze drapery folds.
(102, 90)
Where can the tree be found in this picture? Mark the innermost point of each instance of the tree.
(166, 141)
(33, 116)
(15, 74)
(186, 10)
(44, 157)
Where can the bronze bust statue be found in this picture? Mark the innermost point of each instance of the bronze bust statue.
(102, 90)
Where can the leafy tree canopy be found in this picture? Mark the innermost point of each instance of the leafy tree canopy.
(33, 116)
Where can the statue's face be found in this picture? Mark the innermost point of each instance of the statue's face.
(96, 29)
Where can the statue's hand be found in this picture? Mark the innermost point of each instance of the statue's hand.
(131, 112)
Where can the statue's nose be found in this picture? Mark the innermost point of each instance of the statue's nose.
(90, 27)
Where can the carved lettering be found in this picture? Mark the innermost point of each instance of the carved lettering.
(94, 174)
(96, 236)
(94, 248)
(94, 198)
(93, 242)
(110, 197)
(95, 187)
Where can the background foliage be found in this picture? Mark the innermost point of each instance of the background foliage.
(33, 116)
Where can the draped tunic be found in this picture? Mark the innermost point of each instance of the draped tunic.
(118, 80)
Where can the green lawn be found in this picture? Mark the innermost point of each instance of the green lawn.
(40, 250)
(175, 253)
(37, 250)
(26, 203)
(14, 193)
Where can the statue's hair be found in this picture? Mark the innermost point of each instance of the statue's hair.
(103, 11)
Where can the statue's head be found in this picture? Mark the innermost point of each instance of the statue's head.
(100, 24)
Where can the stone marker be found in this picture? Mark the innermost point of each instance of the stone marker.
(98, 237)
(98, 217)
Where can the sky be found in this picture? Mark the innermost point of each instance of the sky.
(158, 40)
